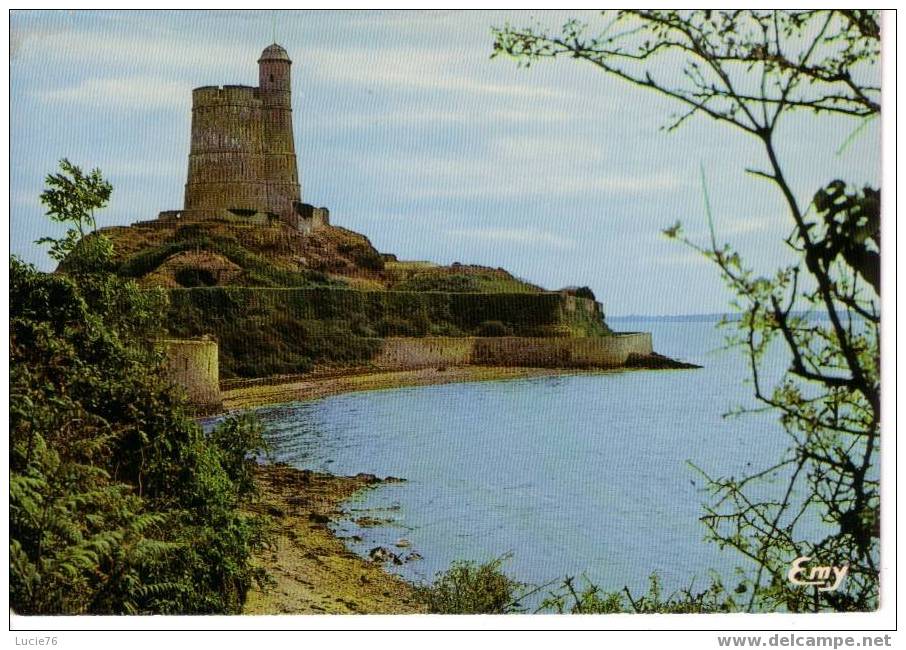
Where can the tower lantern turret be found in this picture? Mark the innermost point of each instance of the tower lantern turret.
(274, 74)
(283, 190)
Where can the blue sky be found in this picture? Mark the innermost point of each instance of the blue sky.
(410, 134)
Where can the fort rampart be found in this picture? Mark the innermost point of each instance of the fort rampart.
(193, 365)
(537, 352)
(526, 314)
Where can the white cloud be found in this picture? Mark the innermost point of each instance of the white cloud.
(514, 166)
(726, 227)
(429, 114)
(393, 68)
(686, 258)
(525, 236)
(129, 49)
(144, 169)
(548, 149)
(627, 184)
(490, 181)
(425, 70)
(134, 93)
(730, 226)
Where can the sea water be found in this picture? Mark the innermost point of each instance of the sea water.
(584, 475)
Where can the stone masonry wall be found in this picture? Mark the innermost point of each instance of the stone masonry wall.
(226, 161)
(194, 366)
(587, 352)
(242, 154)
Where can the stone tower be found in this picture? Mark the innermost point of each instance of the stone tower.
(242, 157)
(282, 178)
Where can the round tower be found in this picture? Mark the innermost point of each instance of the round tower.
(279, 150)
(226, 166)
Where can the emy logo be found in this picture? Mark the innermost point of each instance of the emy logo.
(826, 578)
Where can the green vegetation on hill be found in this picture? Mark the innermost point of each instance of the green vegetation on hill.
(256, 271)
(239, 253)
(424, 276)
(280, 302)
(230, 251)
(284, 331)
(485, 588)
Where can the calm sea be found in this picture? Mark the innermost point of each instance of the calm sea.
(570, 475)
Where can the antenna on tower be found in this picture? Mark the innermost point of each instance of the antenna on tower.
(273, 26)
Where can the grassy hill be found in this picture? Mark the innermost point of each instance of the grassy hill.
(282, 302)
(233, 252)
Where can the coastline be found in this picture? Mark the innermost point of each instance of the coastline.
(311, 569)
(316, 387)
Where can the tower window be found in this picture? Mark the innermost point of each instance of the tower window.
(272, 77)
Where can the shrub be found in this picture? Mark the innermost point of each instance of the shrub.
(589, 598)
(471, 588)
(394, 326)
(362, 256)
(369, 259)
(585, 292)
(119, 503)
(453, 282)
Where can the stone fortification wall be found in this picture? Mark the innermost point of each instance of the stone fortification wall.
(308, 218)
(267, 331)
(588, 352)
(526, 314)
(194, 366)
(242, 155)
(226, 161)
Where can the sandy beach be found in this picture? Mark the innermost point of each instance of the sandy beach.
(315, 387)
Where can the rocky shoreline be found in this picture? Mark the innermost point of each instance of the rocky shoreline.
(312, 571)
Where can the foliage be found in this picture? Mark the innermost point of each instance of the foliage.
(415, 325)
(455, 282)
(119, 503)
(524, 312)
(472, 588)
(258, 271)
(585, 292)
(456, 278)
(588, 598)
(363, 256)
(748, 69)
(819, 61)
(237, 437)
(829, 405)
(71, 198)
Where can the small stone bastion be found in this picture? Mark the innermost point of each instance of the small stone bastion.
(192, 364)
